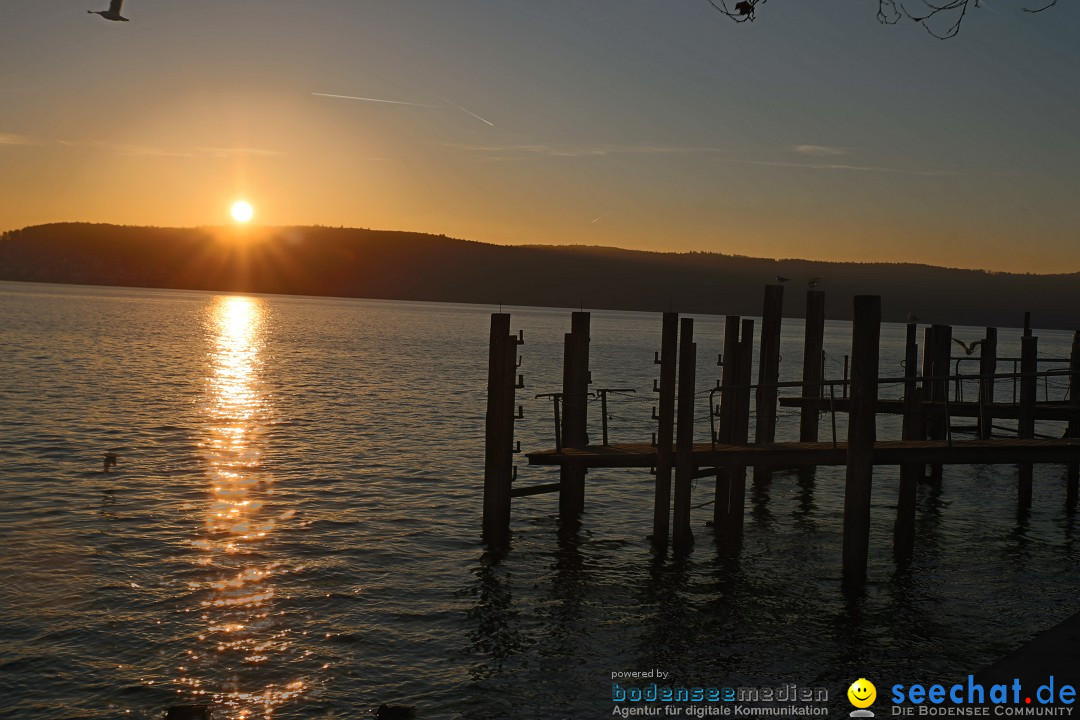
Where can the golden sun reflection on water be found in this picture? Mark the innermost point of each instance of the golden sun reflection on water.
(239, 635)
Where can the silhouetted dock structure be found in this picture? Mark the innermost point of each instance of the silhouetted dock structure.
(932, 399)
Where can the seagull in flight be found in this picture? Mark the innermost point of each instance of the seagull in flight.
(781, 279)
(113, 13)
(968, 348)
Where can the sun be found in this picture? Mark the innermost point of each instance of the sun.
(242, 211)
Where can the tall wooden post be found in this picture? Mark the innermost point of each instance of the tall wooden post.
(928, 364)
(813, 369)
(575, 413)
(1072, 472)
(987, 370)
(681, 535)
(1029, 353)
(904, 531)
(768, 375)
(725, 427)
(926, 420)
(722, 505)
(862, 434)
(499, 431)
(665, 430)
(939, 389)
(744, 374)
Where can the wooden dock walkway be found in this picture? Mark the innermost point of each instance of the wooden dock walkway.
(708, 458)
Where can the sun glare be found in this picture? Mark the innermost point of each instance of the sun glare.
(242, 211)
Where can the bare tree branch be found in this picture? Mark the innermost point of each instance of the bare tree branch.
(744, 9)
(890, 12)
(1050, 4)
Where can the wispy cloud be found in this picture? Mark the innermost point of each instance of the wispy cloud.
(821, 150)
(522, 151)
(13, 139)
(467, 112)
(847, 167)
(134, 150)
(376, 100)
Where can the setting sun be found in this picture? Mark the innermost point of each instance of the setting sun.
(242, 211)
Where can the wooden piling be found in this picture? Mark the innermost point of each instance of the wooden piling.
(665, 430)
(813, 369)
(904, 530)
(726, 431)
(729, 380)
(939, 391)
(768, 375)
(927, 362)
(740, 433)
(1072, 472)
(681, 534)
(1029, 352)
(846, 358)
(862, 434)
(575, 413)
(498, 440)
(987, 369)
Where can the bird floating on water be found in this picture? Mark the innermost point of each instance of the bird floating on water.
(113, 13)
(968, 348)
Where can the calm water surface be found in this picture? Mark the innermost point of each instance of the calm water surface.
(292, 530)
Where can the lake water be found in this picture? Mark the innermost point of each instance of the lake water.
(292, 529)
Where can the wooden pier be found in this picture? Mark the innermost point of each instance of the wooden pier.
(931, 399)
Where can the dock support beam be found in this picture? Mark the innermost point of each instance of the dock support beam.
(904, 531)
(575, 414)
(1072, 472)
(728, 505)
(499, 431)
(741, 429)
(987, 369)
(813, 369)
(1029, 353)
(665, 430)
(768, 375)
(682, 537)
(939, 390)
(862, 434)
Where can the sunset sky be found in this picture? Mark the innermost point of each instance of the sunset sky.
(813, 132)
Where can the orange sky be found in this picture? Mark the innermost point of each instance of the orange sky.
(824, 136)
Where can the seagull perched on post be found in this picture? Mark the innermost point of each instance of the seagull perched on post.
(113, 13)
(968, 348)
(813, 282)
(912, 318)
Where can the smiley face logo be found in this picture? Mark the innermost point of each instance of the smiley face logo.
(862, 693)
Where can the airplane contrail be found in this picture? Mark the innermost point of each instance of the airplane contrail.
(451, 102)
(377, 100)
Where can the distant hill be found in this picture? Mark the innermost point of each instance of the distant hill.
(413, 266)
